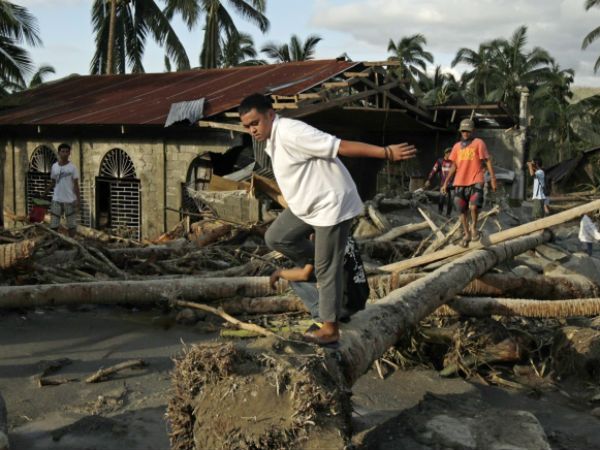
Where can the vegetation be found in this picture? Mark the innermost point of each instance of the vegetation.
(219, 26)
(17, 26)
(135, 20)
(296, 50)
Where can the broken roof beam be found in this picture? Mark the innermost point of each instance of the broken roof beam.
(385, 89)
(322, 106)
(381, 63)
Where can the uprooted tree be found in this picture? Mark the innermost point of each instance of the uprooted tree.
(286, 394)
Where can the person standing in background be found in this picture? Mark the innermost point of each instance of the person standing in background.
(64, 179)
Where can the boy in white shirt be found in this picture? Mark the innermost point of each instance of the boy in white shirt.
(321, 196)
(64, 178)
(588, 233)
(539, 188)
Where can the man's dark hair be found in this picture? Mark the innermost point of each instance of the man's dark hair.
(260, 102)
(538, 162)
(65, 146)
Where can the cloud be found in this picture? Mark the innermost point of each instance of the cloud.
(51, 3)
(558, 26)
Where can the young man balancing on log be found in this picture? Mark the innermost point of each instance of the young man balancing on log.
(321, 196)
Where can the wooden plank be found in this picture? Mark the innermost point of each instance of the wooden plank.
(222, 126)
(336, 84)
(381, 63)
(364, 74)
(496, 238)
(322, 106)
(290, 105)
(218, 183)
(432, 225)
(385, 90)
(269, 187)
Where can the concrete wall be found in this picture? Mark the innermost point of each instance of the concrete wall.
(161, 166)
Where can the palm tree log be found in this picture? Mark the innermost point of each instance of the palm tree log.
(487, 306)
(502, 285)
(297, 395)
(135, 292)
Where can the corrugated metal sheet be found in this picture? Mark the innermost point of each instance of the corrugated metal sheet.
(145, 99)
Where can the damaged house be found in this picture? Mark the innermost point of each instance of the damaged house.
(141, 140)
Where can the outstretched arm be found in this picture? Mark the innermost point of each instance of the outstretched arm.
(395, 152)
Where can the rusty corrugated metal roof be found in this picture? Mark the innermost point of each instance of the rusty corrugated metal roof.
(145, 99)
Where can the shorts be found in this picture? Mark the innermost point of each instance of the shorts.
(57, 209)
(465, 196)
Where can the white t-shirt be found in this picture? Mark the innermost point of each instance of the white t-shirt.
(587, 230)
(64, 176)
(539, 182)
(316, 185)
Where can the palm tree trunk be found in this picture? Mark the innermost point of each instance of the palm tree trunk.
(308, 390)
(111, 38)
(135, 292)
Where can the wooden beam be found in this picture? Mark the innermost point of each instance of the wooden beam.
(364, 74)
(381, 63)
(336, 84)
(385, 90)
(285, 105)
(339, 101)
(496, 238)
(222, 126)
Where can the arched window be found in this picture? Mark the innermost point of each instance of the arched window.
(118, 206)
(38, 174)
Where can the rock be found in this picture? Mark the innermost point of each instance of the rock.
(450, 432)
(186, 316)
(584, 265)
(517, 430)
(524, 271)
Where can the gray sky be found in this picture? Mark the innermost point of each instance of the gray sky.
(362, 28)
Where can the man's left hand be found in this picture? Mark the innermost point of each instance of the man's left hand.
(400, 152)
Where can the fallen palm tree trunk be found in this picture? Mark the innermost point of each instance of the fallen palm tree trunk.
(487, 306)
(502, 285)
(495, 238)
(135, 292)
(11, 254)
(299, 397)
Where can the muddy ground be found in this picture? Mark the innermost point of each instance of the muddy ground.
(128, 410)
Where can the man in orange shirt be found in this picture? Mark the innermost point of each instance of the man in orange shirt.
(469, 158)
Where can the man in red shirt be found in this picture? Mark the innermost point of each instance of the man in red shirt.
(469, 158)
(442, 169)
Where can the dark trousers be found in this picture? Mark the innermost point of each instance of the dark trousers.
(445, 199)
(289, 235)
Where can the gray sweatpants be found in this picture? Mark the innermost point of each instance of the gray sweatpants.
(289, 235)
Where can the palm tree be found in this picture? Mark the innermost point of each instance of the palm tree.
(513, 68)
(296, 50)
(17, 26)
(219, 26)
(38, 77)
(440, 88)
(413, 59)
(134, 21)
(592, 35)
(481, 62)
(238, 50)
(560, 123)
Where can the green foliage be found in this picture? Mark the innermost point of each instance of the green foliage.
(17, 27)
(136, 20)
(296, 50)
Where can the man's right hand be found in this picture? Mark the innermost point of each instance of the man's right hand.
(400, 152)
(444, 189)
